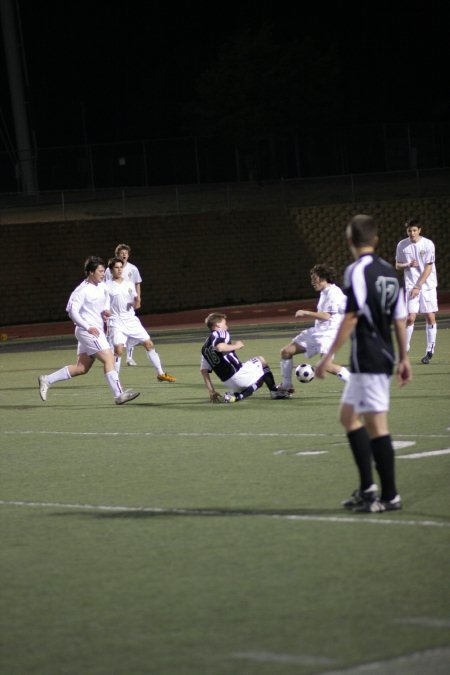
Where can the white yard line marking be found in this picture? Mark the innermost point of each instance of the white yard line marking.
(426, 621)
(302, 452)
(269, 657)
(398, 445)
(206, 434)
(428, 661)
(429, 453)
(378, 520)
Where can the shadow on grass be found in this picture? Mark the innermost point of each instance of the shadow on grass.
(335, 514)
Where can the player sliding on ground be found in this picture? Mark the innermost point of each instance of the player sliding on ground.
(219, 356)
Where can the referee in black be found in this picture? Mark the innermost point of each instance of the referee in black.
(374, 304)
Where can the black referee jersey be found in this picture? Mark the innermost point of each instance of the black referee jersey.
(373, 292)
(225, 365)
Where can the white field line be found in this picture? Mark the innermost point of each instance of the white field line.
(206, 434)
(378, 520)
(425, 621)
(269, 657)
(418, 663)
(430, 660)
(429, 453)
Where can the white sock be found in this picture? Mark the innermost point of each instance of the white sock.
(431, 337)
(114, 383)
(58, 375)
(344, 374)
(117, 363)
(286, 366)
(154, 359)
(130, 351)
(409, 332)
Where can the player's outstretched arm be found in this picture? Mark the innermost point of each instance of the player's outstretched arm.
(214, 397)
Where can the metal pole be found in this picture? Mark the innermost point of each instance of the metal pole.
(197, 162)
(15, 76)
(144, 157)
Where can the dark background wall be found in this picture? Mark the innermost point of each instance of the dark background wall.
(203, 260)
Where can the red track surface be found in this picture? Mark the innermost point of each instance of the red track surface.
(280, 312)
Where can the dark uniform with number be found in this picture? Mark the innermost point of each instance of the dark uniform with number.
(224, 364)
(373, 292)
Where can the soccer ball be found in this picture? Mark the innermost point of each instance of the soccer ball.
(305, 372)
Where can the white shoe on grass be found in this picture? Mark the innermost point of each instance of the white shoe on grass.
(44, 386)
(126, 396)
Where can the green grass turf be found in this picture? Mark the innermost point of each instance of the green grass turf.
(172, 536)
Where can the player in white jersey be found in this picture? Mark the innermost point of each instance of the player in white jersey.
(124, 326)
(318, 338)
(130, 273)
(415, 256)
(89, 308)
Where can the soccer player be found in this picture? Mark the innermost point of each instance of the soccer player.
(130, 273)
(124, 326)
(318, 338)
(374, 303)
(415, 256)
(219, 356)
(89, 308)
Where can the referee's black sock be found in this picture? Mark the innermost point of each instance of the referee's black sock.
(383, 454)
(269, 379)
(361, 448)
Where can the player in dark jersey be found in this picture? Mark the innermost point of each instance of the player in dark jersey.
(219, 356)
(374, 304)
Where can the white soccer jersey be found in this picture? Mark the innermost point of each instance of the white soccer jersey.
(125, 326)
(86, 304)
(333, 301)
(423, 252)
(122, 296)
(129, 272)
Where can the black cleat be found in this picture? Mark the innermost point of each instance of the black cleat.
(427, 358)
(358, 497)
(379, 505)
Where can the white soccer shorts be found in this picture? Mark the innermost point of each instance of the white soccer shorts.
(251, 371)
(130, 332)
(367, 392)
(425, 303)
(313, 342)
(90, 344)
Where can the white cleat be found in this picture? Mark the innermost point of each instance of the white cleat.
(229, 397)
(43, 386)
(131, 362)
(126, 396)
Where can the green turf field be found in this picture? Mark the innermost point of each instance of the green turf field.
(171, 536)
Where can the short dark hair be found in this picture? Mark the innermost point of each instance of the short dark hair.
(92, 263)
(113, 261)
(413, 222)
(324, 272)
(363, 230)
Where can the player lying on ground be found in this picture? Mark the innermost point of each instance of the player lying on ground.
(219, 356)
